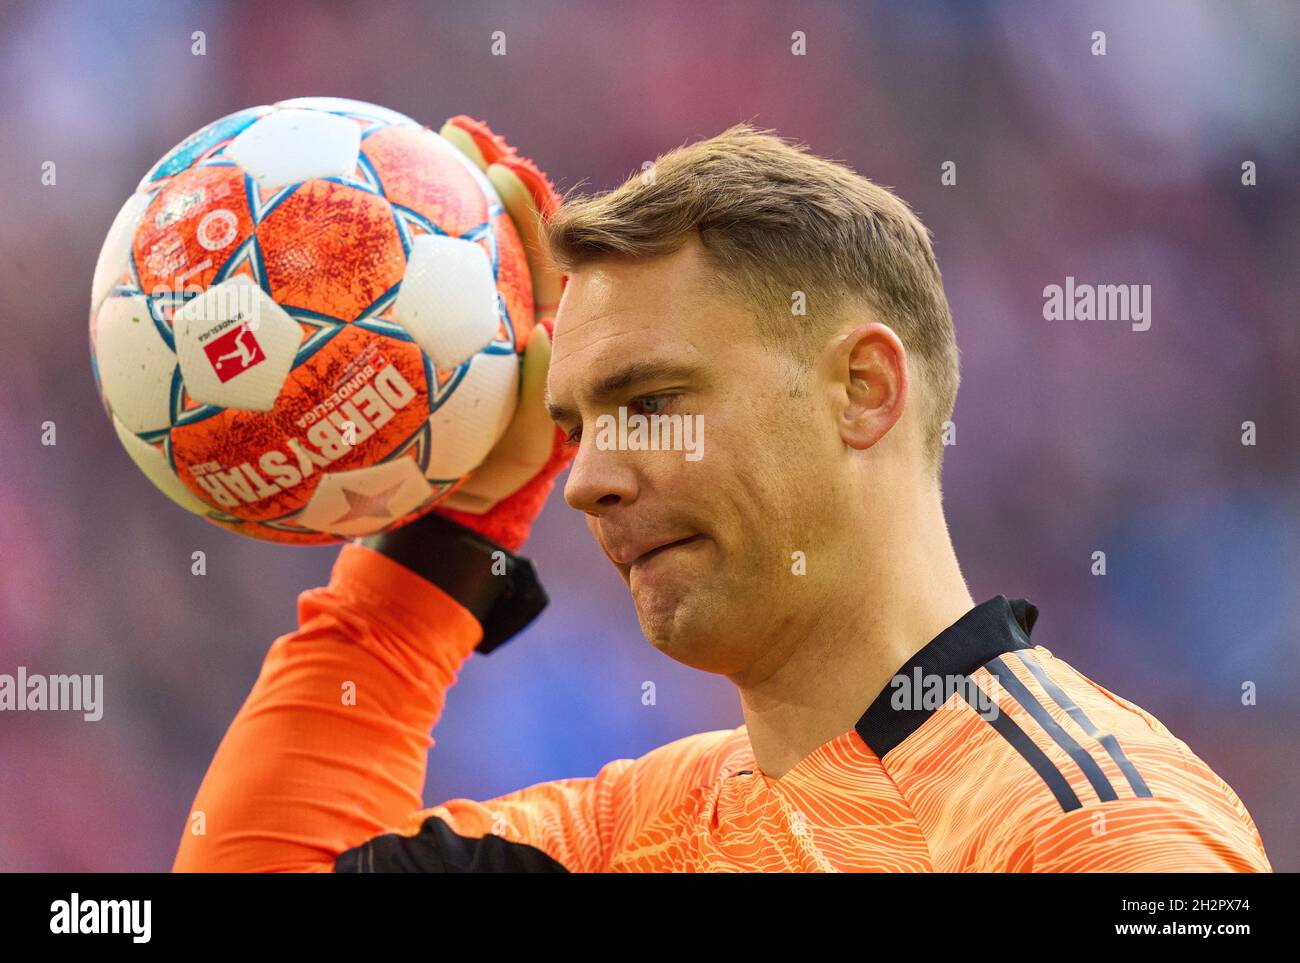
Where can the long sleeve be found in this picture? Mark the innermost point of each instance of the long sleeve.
(330, 747)
(323, 766)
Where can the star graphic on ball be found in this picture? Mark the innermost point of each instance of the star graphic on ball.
(361, 505)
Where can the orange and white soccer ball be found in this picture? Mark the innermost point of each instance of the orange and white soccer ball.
(306, 322)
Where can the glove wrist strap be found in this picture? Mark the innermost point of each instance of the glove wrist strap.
(497, 587)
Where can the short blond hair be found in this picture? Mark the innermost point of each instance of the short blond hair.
(776, 220)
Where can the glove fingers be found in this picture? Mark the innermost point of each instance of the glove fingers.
(502, 497)
(489, 147)
(528, 196)
(521, 204)
(462, 141)
(527, 443)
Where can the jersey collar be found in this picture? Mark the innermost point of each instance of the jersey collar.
(988, 630)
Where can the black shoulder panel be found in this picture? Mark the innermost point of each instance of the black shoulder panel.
(437, 849)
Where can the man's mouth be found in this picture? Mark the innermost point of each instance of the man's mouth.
(655, 552)
(640, 554)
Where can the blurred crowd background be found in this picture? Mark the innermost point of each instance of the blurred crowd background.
(1072, 437)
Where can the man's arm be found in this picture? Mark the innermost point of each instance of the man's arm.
(323, 766)
(329, 750)
(330, 746)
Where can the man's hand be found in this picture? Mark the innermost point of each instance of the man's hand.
(505, 494)
(459, 545)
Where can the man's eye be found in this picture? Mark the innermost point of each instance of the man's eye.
(575, 436)
(651, 404)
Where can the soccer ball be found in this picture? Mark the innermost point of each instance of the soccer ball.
(306, 322)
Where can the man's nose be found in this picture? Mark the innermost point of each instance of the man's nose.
(599, 480)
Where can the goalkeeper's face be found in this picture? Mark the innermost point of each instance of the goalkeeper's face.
(750, 486)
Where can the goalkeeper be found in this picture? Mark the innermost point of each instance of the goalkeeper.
(797, 311)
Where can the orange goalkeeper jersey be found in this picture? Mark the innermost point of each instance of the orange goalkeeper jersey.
(986, 754)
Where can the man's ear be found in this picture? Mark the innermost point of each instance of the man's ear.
(870, 372)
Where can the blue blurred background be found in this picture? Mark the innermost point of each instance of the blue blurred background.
(1072, 437)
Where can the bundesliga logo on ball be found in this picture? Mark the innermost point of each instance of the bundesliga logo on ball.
(306, 322)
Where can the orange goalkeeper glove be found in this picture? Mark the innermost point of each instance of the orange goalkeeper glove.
(505, 494)
(459, 545)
